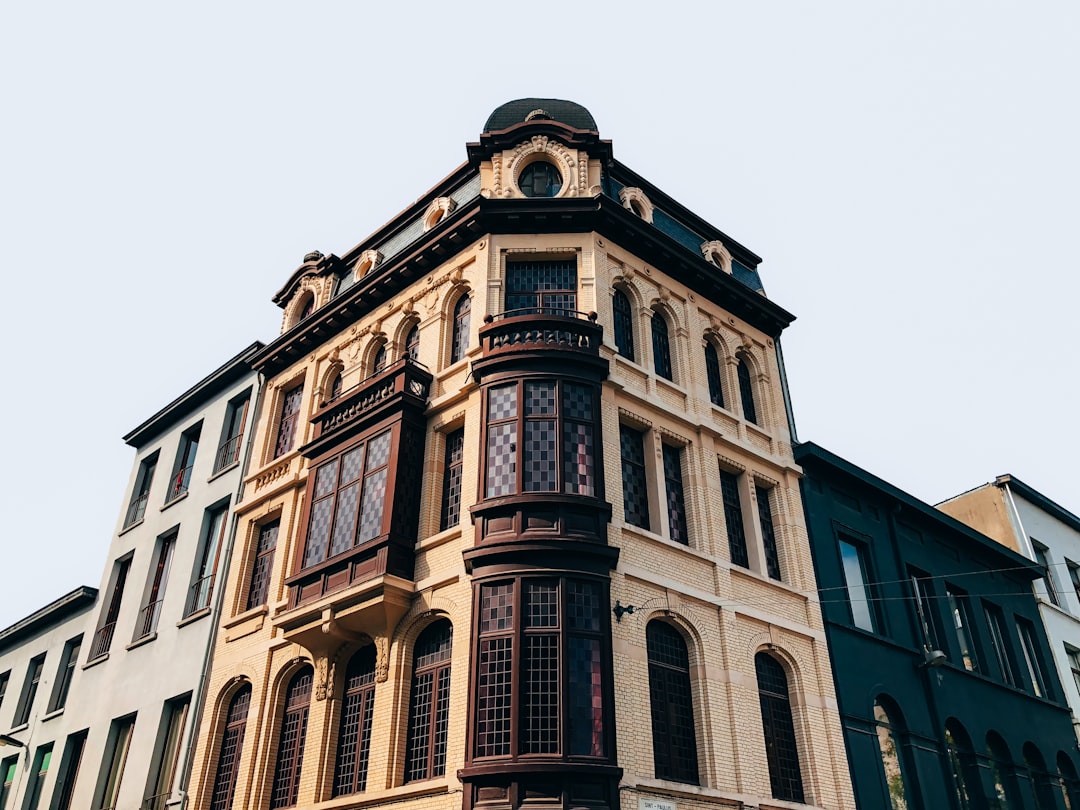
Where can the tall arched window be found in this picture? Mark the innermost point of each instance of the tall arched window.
(232, 743)
(412, 343)
(354, 736)
(661, 347)
(1070, 786)
(378, 362)
(308, 308)
(781, 749)
(712, 371)
(965, 771)
(624, 324)
(429, 704)
(674, 742)
(1003, 773)
(290, 753)
(746, 392)
(889, 721)
(459, 341)
(1041, 789)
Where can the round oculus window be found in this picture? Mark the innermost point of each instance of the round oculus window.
(540, 179)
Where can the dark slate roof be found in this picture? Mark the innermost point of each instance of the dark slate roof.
(515, 112)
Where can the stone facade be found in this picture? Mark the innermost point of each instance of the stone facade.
(374, 350)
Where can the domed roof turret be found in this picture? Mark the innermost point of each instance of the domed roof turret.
(531, 109)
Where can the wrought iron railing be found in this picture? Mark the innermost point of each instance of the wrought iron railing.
(155, 802)
(228, 453)
(180, 483)
(102, 640)
(136, 510)
(148, 619)
(199, 595)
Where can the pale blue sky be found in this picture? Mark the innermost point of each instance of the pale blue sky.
(908, 171)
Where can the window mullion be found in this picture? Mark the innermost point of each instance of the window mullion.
(563, 648)
(517, 683)
(519, 447)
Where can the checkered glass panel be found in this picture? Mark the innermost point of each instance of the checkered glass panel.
(496, 607)
(539, 457)
(635, 489)
(579, 474)
(586, 710)
(325, 479)
(501, 460)
(502, 403)
(351, 464)
(371, 513)
(676, 506)
(583, 606)
(540, 714)
(378, 451)
(318, 532)
(539, 398)
(577, 402)
(345, 520)
(541, 604)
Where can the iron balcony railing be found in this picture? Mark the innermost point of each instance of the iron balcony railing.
(102, 640)
(199, 595)
(228, 453)
(136, 510)
(180, 483)
(148, 619)
(536, 328)
(155, 802)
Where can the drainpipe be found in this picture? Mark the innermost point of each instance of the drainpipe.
(219, 599)
(785, 391)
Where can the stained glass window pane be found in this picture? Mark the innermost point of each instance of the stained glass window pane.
(624, 324)
(712, 371)
(729, 490)
(661, 347)
(676, 506)
(635, 491)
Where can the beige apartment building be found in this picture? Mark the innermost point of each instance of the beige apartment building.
(522, 526)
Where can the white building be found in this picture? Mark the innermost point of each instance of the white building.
(124, 736)
(1025, 520)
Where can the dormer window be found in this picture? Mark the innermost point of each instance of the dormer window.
(540, 179)
(635, 200)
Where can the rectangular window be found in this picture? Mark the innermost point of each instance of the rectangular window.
(29, 690)
(232, 432)
(450, 514)
(62, 684)
(1048, 573)
(1074, 577)
(548, 287)
(1073, 655)
(673, 487)
(998, 640)
(214, 523)
(290, 418)
(262, 568)
(151, 609)
(853, 559)
(635, 486)
(733, 519)
(348, 499)
(184, 464)
(541, 412)
(112, 767)
(768, 533)
(962, 624)
(166, 754)
(69, 771)
(8, 769)
(926, 609)
(137, 508)
(42, 759)
(4, 678)
(1032, 658)
(104, 635)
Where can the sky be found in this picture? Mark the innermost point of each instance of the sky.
(907, 170)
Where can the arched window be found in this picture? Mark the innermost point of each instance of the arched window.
(378, 362)
(661, 347)
(888, 718)
(1041, 789)
(412, 344)
(1070, 787)
(674, 743)
(459, 342)
(308, 308)
(290, 753)
(965, 772)
(429, 704)
(232, 743)
(624, 324)
(712, 371)
(746, 392)
(354, 736)
(781, 749)
(335, 387)
(1003, 773)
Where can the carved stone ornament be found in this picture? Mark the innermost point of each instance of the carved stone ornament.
(382, 659)
(573, 166)
(440, 207)
(634, 199)
(715, 253)
(368, 261)
(313, 256)
(320, 677)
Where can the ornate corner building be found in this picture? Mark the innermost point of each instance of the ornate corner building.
(522, 525)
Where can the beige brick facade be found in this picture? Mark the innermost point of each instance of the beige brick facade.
(726, 613)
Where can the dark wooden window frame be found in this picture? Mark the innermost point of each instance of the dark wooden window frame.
(556, 300)
(738, 547)
(66, 671)
(678, 520)
(459, 337)
(428, 732)
(34, 670)
(663, 359)
(411, 345)
(635, 476)
(288, 421)
(622, 311)
(231, 749)
(746, 391)
(561, 419)
(453, 470)
(714, 374)
(292, 734)
(354, 723)
(508, 697)
(262, 565)
(671, 700)
(778, 726)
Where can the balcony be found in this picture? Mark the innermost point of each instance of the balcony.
(136, 510)
(540, 337)
(399, 385)
(180, 484)
(229, 453)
